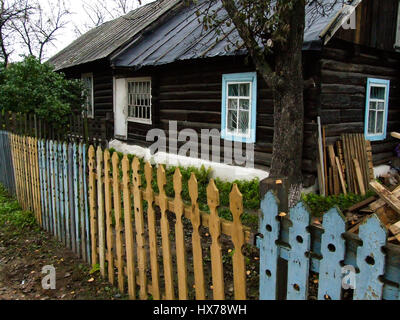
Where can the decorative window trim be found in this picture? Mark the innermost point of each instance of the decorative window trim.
(89, 75)
(140, 120)
(249, 77)
(370, 84)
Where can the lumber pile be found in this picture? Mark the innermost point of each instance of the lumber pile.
(386, 205)
(345, 166)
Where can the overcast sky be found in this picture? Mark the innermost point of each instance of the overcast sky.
(78, 17)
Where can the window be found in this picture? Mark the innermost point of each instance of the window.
(89, 105)
(239, 103)
(376, 109)
(139, 100)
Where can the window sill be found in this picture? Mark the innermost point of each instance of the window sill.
(375, 138)
(234, 138)
(141, 121)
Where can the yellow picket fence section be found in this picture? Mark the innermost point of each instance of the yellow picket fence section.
(138, 236)
(24, 152)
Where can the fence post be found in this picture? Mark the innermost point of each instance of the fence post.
(279, 187)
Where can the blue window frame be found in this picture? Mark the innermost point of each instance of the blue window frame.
(239, 107)
(376, 111)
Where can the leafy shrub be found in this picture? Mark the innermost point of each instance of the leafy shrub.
(320, 205)
(249, 189)
(12, 214)
(32, 87)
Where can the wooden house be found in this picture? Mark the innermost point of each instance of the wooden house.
(161, 53)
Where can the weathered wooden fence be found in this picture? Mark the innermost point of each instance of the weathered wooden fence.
(132, 240)
(364, 264)
(6, 163)
(51, 181)
(152, 245)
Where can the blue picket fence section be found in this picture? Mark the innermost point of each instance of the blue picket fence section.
(365, 264)
(7, 178)
(64, 195)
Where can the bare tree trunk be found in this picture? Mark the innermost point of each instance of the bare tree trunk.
(289, 107)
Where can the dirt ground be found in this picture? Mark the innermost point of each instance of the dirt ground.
(24, 252)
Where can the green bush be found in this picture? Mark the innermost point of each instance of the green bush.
(32, 87)
(12, 214)
(249, 189)
(320, 205)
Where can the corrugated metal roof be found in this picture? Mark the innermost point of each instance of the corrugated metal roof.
(183, 37)
(102, 41)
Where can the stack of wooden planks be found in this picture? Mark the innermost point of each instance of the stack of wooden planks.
(386, 205)
(347, 165)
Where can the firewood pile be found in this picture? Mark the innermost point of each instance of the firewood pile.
(345, 166)
(386, 205)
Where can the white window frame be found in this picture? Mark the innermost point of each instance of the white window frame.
(239, 78)
(140, 120)
(377, 83)
(83, 76)
(238, 98)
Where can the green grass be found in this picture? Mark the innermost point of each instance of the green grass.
(320, 205)
(11, 213)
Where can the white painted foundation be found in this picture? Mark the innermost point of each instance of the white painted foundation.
(219, 170)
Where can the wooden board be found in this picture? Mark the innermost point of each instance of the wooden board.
(386, 195)
(359, 177)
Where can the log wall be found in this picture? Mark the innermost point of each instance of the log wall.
(345, 70)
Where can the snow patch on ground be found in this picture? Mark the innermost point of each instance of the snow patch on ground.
(219, 170)
(381, 171)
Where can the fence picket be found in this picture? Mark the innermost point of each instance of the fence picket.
(108, 209)
(333, 248)
(37, 176)
(61, 191)
(139, 225)
(196, 239)
(92, 202)
(239, 266)
(269, 229)
(215, 231)
(370, 260)
(41, 182)
(66, 195)
(130, 256)
(86, 204)
(71, 196)
(57, 191)
(48, 187)
(100, 211)
(165, 232)
(118, 221)
(299, 263)
(151, 221)
(180, 237)
(76, 201)
(53, 189)
(81, 202)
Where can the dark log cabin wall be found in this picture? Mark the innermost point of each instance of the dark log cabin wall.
(191, 92)
(349, 59)
(102, 85)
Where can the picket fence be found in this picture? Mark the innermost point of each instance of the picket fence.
(81, 196)
(108, 196)
(365, 264)
(7, 166)
(51, 181)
